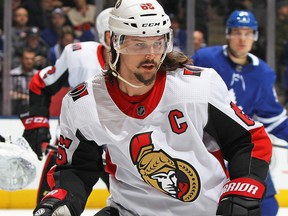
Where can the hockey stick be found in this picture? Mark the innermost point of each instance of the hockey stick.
(279, 143)
(51, 147)
(280, 146)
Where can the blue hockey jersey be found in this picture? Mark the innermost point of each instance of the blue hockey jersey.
(251, 87)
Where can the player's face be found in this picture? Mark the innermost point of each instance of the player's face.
(140, 58)
(241, 41)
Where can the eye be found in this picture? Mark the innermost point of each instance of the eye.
(141, 45)
(157, 44)
(249, 35)
(237, 34)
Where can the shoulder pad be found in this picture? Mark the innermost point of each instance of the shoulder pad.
(192, 70)
(79, 91)
(76, 46)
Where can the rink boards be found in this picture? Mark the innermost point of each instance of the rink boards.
(26, 198)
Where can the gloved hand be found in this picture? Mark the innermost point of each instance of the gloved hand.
(36, 123)
(241, 197)
(55, 203)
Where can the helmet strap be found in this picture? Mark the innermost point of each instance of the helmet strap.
(116, 74)
(256, 35)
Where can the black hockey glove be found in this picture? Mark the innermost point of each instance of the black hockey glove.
(36, 123)
(241, 197)
(58, 202)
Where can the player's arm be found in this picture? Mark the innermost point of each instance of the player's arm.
(247, 148)
(269, 111)
(72, 183)
(79, 165)
(42, 87)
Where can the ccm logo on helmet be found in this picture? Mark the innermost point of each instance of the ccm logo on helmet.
(239, 186)
(151, 24)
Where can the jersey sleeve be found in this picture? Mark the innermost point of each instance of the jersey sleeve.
(48, 81)
(79, 160)
(269, 111)
(243, 142)
(202, 57)
(196, 60)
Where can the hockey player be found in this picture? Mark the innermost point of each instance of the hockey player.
(78, 62)
(167, 127)
(250, 82)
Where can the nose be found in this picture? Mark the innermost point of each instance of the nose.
(243, 37)
(150, 56)
(150, 52)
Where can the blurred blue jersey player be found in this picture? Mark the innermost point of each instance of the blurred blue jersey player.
(250, 81)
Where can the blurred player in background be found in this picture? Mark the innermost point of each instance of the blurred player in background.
(78, 62)
(250, 82)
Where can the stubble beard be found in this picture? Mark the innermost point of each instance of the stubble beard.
(140, 76)
(146, 82)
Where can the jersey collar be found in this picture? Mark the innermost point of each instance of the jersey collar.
(138, 106)
(253, 59)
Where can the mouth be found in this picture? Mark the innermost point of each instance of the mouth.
(148, 66)
(242, 46)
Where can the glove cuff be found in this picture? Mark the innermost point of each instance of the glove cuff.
(35, 117)
(245, 187)
(56, 193)
(60, 197)
(35, 122)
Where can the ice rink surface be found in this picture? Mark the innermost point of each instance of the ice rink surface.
(87, 212)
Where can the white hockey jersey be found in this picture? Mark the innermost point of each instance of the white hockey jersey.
(165, 148)
(77, 63)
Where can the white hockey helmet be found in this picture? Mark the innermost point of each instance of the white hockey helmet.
(102, 25)
(139, 18)
(143, 18)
